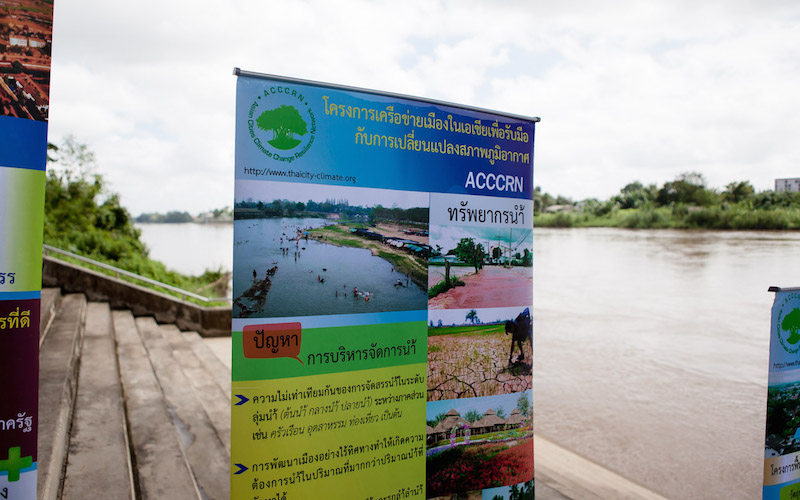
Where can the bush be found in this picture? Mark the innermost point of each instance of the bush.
(442, 287)
(81, 217)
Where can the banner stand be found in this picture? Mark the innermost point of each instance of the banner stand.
(382, 295)
(782, 441)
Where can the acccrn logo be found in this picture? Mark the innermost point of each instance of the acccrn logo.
(788, 324)
(281, 123)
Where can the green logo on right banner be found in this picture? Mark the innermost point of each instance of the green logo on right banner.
(788, 324)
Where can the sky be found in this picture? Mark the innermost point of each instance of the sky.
(626, 90)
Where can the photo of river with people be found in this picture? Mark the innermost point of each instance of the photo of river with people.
(311, 277)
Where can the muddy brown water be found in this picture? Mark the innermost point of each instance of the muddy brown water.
(651, 351)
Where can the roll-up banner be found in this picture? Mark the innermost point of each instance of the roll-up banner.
(24, 90)
(782, 444)
(382, 296)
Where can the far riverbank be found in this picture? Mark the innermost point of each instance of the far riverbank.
(721, 217)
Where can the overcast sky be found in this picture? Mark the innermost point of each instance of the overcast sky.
(627, 90)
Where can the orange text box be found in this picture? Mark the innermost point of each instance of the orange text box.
(280, 340)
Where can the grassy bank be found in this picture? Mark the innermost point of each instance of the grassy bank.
(442, 286)
(684, 203)
(731, 217)
(468, 330)
(405, 263)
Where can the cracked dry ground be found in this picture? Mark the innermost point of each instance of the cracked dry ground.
(466, 366)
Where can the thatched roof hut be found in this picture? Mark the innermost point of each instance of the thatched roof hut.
(516, 418)
(452, 419)
(489, 423)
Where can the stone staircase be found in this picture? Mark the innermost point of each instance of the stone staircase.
(128, 408)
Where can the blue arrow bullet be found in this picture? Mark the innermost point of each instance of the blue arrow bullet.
(241, 467)
(242, 400)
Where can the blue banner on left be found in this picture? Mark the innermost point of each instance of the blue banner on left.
(23, 143)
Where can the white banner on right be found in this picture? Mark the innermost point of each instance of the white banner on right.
(782, 443)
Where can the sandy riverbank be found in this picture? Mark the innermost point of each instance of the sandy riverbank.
(403, 262)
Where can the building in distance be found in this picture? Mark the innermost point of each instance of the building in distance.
(792, 184)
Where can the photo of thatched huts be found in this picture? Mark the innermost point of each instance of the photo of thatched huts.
(478, 442)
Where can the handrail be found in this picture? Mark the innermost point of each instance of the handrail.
(117, 272)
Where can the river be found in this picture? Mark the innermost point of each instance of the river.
(190, 248)
(650, 349)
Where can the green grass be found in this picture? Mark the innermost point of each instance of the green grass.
(488, 437)
(442, 287)
(723, 217)
(466, 330)
(405, 263)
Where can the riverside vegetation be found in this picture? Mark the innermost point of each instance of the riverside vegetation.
(685, 203)
(82, 216)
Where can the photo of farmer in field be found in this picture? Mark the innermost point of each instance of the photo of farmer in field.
(479, 267)
(479, 443)
(479, 352)
(308, 249)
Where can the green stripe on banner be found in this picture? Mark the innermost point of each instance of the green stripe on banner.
(336, 349)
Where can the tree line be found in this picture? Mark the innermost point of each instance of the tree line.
(284, 208)
(685, 202)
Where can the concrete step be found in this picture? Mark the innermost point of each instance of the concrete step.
(162, 469)
(215, 402)
(220, 372)
(202, 446)
(50, 303)
(99, 460)
(58, 366)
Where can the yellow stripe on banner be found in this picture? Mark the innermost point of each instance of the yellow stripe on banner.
(338, 445)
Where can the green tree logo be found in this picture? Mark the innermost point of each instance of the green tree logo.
(791, 323)
(285, 122)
